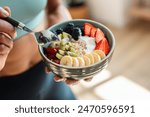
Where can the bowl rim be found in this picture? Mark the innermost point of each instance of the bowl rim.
(84, 20)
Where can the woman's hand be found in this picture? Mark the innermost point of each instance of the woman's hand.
(70, 81)
(67, 81)
(7, 33)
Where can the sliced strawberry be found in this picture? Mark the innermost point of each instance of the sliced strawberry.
(100, 46)
(51, 56)
(107, 47)
(87, 29)
(51, 50)
(93, 32)
(103, 45)
(99, 35)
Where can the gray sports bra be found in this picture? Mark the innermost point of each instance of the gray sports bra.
(30, 12)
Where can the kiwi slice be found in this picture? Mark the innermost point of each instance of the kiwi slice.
(62, 48)
(62, 43)
(59, 56)
(62, 52)
(72, 49)
(70, 44)
(67, 47)
(66, 35)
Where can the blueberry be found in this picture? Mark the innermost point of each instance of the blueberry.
(59, 31)
(77, 30)
(75, 37)
(81, 28)
(69, 28)
(76, 33)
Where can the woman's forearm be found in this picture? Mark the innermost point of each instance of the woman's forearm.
(60, 14)
(63, 11)
(52, 5)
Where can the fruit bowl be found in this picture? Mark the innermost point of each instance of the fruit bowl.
(80, 72)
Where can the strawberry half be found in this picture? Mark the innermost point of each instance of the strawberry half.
(107, 47)
(99, 35)
(93, 32)
(51, 50)
(87, 29)
(103, 45)
(100, 46)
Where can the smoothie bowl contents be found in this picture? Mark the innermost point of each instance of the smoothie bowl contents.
(77, 46)
(80, 49)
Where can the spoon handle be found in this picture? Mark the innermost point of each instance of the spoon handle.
(17, 24)
(41, 37)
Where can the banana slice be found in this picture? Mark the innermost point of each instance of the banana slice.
(66, 60)
(81, 61)
(86, 60)
(90, 56)
(100, 53)
(75, 62)
(97, 58)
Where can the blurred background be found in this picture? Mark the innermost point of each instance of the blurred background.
(128, 74)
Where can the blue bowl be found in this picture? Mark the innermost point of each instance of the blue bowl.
(80, 72)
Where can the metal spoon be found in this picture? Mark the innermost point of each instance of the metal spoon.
(42, 37)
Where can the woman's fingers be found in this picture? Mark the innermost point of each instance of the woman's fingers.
(58, 79)
(6, 39)
(67, 81)
(7, 44)
(4, 13)
(88, 79)
(71, 82)
(47, 70)
(7, 9)
(5, 26)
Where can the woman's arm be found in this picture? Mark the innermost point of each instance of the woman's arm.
(57, 12)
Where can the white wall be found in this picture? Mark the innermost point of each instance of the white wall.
(110, 11)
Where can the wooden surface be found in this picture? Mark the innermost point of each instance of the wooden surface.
(80, 12)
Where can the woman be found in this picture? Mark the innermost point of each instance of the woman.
(23, 76)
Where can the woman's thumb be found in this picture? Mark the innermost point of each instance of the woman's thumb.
(3, 12)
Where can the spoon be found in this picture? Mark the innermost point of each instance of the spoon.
(42, 37)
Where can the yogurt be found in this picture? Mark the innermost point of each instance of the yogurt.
(90, 43)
